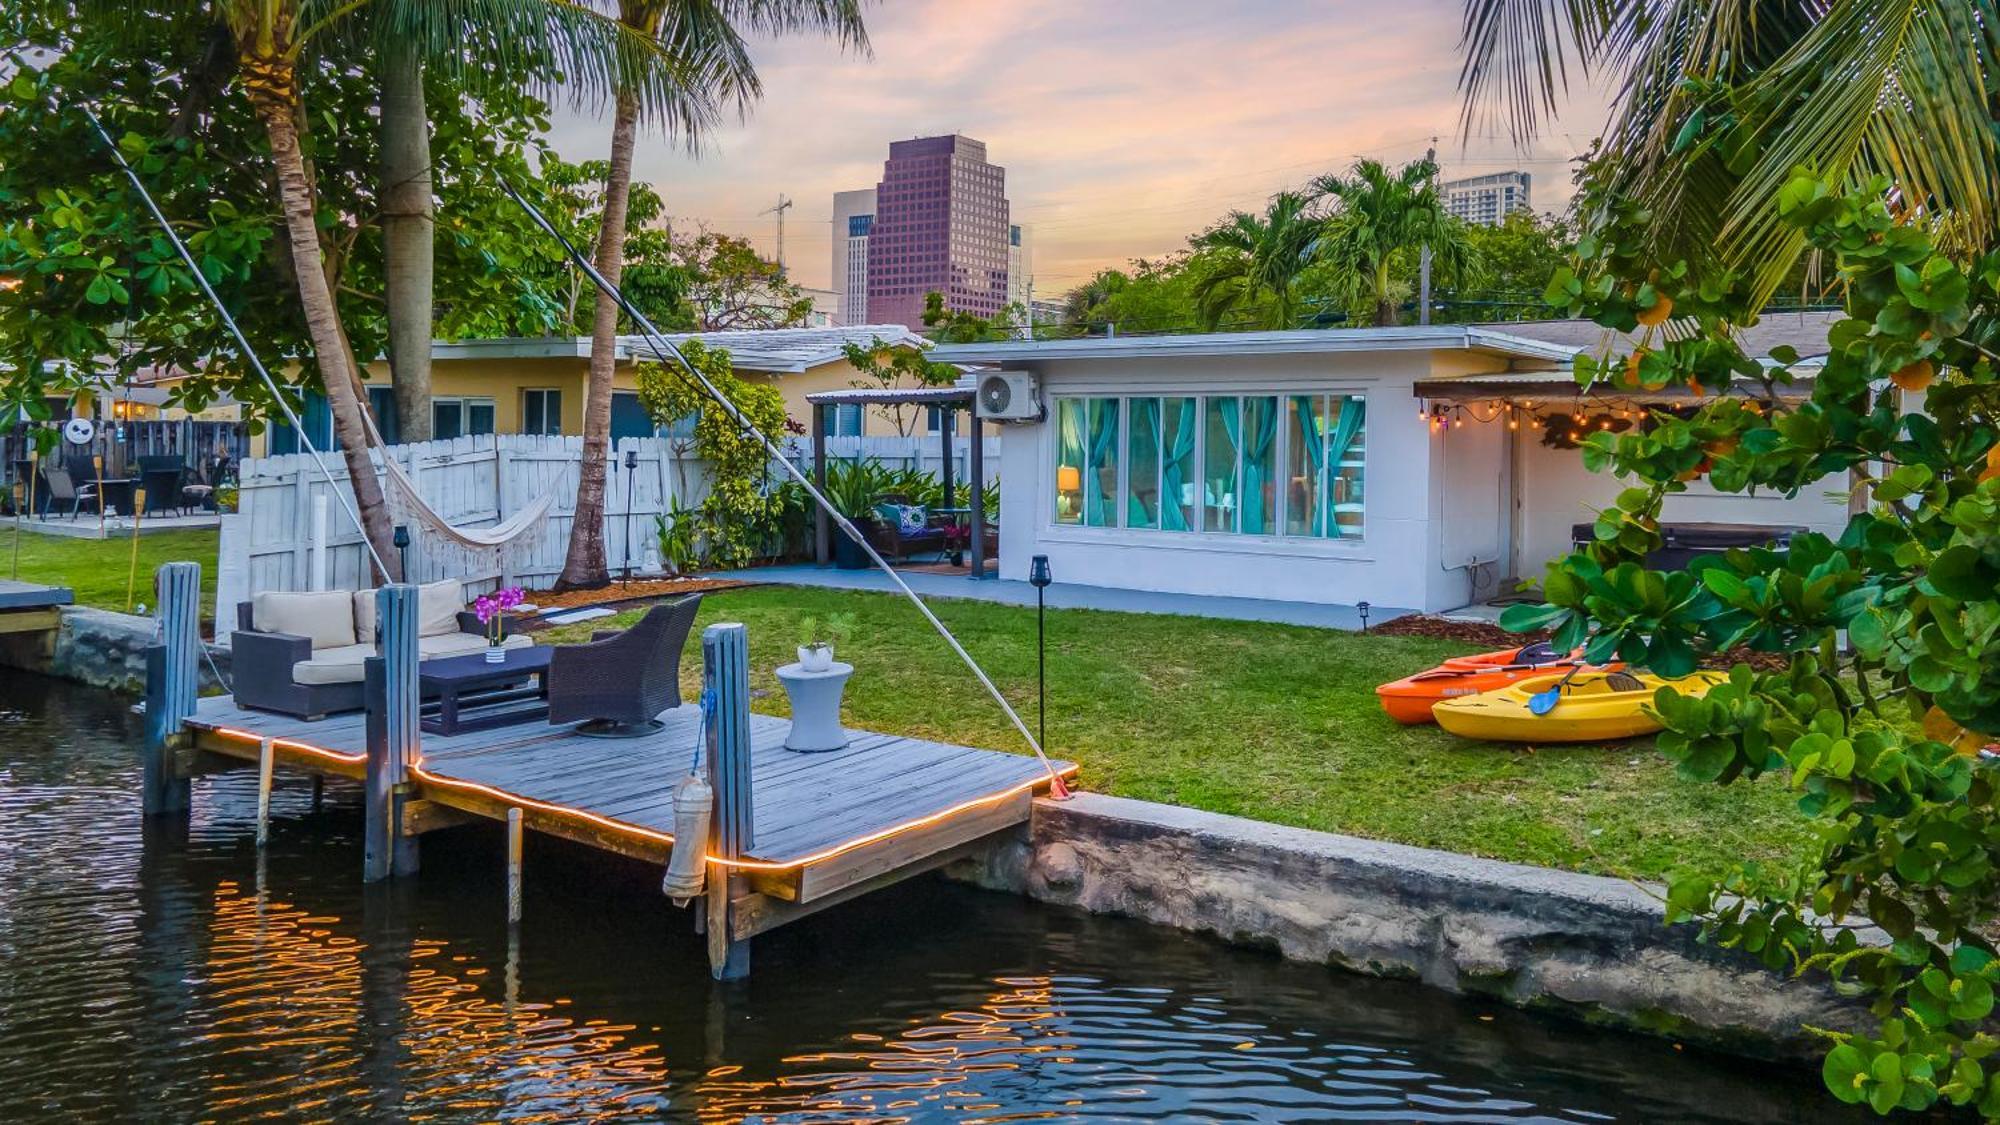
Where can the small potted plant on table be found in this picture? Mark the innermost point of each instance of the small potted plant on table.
(817, 638)
(491, 609)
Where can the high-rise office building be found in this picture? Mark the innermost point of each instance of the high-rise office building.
(940, 226)
(853, 216)
(1486, 200)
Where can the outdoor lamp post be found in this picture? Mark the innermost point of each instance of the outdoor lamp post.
(1039, 577)
(401, 539)
(1362, 609)
(631, 475)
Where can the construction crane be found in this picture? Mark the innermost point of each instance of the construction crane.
(784, 205)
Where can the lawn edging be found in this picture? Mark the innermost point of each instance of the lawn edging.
(1584, 946)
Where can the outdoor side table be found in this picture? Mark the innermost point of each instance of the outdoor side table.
(815, 700)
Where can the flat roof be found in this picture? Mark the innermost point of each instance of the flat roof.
(1309, 341)
(870, 396)
(779, 351)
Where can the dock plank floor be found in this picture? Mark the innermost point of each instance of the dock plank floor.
(803, 804)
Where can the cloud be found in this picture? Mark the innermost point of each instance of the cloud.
(1124, 126)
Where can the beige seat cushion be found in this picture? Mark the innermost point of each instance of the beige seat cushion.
(364, 617)
(461, 644)
(326, 617)
(438, 607)
(344, 665)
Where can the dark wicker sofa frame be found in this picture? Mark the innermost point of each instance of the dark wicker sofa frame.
(621, 681)
(262, 667)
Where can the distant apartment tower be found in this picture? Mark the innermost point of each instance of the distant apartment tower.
(853, 215)
(1486, 200)
(1020, 264)
(940, 226)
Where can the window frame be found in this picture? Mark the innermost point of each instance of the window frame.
(542, 396)
(1329, 398)
(464, 404)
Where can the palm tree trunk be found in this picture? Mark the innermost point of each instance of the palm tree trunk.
(1385, 309)
(275, 102)
(585, 565)
(407, 231)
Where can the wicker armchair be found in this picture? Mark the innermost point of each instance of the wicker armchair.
(618, 684)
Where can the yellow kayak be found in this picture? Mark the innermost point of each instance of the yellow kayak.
(1593, 707)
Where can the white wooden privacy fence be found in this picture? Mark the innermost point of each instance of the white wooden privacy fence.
(290, 532)
(921, 451)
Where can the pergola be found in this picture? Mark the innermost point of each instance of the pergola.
(949, 401)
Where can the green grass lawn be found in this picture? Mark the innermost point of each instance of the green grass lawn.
(1273, 722)
(99, 569)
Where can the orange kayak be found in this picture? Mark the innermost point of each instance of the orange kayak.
(1410, 699)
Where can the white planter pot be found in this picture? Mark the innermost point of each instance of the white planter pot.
(496, 654)
(815, 659)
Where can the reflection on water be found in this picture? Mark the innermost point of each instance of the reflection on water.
(173, 973)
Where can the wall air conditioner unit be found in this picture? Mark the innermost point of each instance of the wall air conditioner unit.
(1009, 396)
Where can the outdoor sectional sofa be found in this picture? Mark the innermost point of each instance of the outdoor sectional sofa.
(304, 654)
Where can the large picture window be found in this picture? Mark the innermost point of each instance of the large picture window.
(1268, 465)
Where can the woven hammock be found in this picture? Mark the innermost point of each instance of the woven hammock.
(442, 549)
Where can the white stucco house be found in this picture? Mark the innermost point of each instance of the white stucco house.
(1405, 467)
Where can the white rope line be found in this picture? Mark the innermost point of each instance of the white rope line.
(664, 349)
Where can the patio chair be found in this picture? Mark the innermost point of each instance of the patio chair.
(162, 479)
(617, 685)
(58, 488)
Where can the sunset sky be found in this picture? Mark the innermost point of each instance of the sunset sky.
(1123, 126)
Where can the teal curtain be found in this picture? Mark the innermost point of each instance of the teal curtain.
(1173, 486)
(1352, 413)
(1069, 452)
(1313, 444)
(1223, 481)
(1100, 505)
(1263, 423)
(1143, 470)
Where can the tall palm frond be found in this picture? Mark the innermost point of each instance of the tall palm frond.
(1248, 257)
(1377, 214)
(1719, 100)
(573, 52)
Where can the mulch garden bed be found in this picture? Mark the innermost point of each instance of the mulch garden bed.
(1482, 633)
(624, 594)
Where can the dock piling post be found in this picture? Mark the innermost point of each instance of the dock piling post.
(513, 866)
(173, 669)
(264, 763)
(725, 659)
(393, 747)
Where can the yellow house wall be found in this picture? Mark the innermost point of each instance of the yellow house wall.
(504, 380)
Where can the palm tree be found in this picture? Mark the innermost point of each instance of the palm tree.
(554, 44)
(1721, 99)
(1256, 262)
(705, 37)
(271, 37)
(1377, 215)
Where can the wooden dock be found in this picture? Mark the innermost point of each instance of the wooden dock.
(29, 617)
(794, 832)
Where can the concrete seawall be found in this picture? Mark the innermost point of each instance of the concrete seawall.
(1582, 945)
(99, 648)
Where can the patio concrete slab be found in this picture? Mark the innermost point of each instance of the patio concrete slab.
(1007, 591)
(88, 526)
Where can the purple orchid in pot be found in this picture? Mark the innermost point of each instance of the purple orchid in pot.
(491, 610)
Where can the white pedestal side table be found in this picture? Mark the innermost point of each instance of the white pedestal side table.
(815, 700)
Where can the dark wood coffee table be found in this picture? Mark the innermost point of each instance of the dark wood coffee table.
(466, 693)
